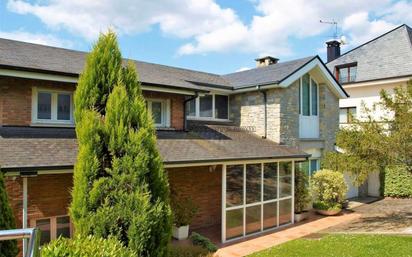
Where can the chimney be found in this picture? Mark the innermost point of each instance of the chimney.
(333, 49)
(266, 61)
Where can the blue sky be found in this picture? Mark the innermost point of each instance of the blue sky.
(218, 36)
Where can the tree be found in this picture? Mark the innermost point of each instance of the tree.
(371, 144)
(7, 248)
(120, 187)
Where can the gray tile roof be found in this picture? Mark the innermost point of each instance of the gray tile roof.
(387, 56)
(27, 147)
(27, 56)
(273, 74)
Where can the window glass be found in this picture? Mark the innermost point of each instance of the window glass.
(221, 106)
(234, 224)
(352, 73)
(253, 219)
(285, 211)
(314, 98)
(253, 183)
(44, 106)
(191, 108)
(314, 164)
(343, 75)
(63, 107)
(285, 179)
(63, 227)
(234, 185)
(343, 115)
(305, 95)
(157, 112)
(270, 187)
(206, 106)
(44, 226)
(270, 213)
(351, 114)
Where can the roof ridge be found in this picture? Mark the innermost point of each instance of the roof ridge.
(270, 66)
(370, 41)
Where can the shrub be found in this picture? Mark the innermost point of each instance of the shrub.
(87, 246)
(301, 191)
(398, 181)
(187, 251)
(329, 189)
(183, 209)
(202, 241)
(7, 248)
(120, 187)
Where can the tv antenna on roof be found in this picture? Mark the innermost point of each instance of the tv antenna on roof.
(334, 23)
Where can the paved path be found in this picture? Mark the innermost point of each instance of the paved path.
(314, 225)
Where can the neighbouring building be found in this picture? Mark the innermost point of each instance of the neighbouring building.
(383, 63)
(232, 143)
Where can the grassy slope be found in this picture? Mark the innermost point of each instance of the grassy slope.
(343, 246)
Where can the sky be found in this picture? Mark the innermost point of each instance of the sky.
(217, 36)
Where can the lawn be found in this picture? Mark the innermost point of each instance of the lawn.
(343, 246)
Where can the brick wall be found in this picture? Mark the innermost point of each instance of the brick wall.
(205, 189)
(16, 96)
(16, 100)
(48, 195)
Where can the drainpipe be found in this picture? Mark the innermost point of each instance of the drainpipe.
(184, 109)
(264, 93)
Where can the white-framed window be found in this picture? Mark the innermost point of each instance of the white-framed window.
(208, 107)
(160, 110)
(53, 227)
(256, 197)
(52, 107)
(308, 96)
(347, 114)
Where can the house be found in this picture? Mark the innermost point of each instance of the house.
(231, 142)
(384, 62)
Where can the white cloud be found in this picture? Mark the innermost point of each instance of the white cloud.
(205, 26)
(36, 38)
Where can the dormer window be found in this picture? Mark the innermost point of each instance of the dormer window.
(346, 73)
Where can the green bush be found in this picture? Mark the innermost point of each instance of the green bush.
(120, 187)
(328, 189)
(319, 205)
(301, 191)
(87, 246)
(7, 248)
(202, 241)
(188, 251)
(398, 181)
(183, 209)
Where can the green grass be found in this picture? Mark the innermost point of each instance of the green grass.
(343, 246)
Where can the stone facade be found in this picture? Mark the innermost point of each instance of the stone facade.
(247, 109)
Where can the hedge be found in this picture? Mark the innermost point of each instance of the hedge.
(398, 182)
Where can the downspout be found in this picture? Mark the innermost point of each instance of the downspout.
(264, 93)
(184, 109)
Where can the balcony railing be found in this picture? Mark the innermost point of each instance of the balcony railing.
(33, 234)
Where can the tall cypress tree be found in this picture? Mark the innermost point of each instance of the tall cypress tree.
(7, 248)
(120, 187)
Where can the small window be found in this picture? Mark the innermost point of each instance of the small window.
(53, 228)
(52, 107)
(347, 114)
(159, 108)
(346, 74)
